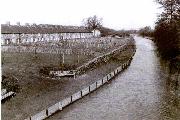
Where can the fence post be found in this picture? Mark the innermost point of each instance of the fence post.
(74, 75)
(60, 105)
(89, 89)
(81, 93)
(102, 81)
(107, 77)
(71, 98)
(46, 112)
(96, 84)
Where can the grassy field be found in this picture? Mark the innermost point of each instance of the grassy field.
(42, 59)
(28, 65)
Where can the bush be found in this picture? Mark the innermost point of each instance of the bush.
(10, 83)
(146, 31)
(167, 40)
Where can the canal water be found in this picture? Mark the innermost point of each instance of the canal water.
(140, 92)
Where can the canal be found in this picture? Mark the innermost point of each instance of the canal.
(140, 92)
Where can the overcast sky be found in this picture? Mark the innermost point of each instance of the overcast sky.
(117, 14)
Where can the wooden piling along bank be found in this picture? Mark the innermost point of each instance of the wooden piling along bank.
(78, 95)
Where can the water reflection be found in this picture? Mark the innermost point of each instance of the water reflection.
(140, 92)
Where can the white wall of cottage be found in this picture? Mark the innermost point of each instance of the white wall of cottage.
(96, 33)
(28, 38)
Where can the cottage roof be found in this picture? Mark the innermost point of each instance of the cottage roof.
(42, 28)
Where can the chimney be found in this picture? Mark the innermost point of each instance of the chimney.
(18, 23)
(27, 24)
(8, 23)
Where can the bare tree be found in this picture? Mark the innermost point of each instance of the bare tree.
(171, 10)
(93, 23)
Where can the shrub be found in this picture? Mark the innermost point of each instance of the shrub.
(167, 40)
(10, 83)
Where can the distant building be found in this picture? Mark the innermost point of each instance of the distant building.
(16, 34)
(96, 33)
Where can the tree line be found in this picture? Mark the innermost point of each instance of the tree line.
(167, 29)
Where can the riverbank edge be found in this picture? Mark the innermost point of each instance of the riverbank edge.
(172, 68)
(170, 61)
(80, 94)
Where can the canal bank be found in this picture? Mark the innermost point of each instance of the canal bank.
(140, 92)
(51, 91)
(60, 105)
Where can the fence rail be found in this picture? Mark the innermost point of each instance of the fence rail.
(67, 101)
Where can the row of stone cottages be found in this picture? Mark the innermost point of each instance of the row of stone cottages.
(17, 34)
